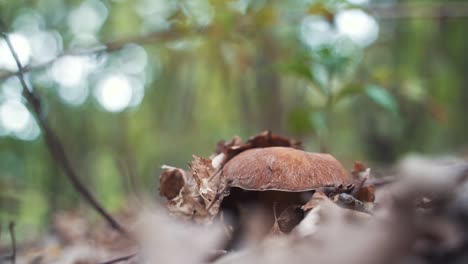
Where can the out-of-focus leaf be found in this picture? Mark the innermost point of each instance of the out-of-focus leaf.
(348, 91)
(331, 59)
(318, 8)
(382, 97)
(303, 69)
(299, 68)
(319, 121)
(299, 121)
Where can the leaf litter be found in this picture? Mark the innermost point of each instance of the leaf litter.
(267, 201)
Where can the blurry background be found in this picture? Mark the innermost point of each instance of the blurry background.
(364, 80)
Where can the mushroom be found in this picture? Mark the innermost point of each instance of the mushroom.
(284, 169)
(268, 172)
(273, 179)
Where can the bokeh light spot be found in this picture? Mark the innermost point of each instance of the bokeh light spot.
(316, 31)
(71, 70)
(358, 2)
(46, 46)
(15, 117)
(114, 93)
(22, 48)
(132, 59)
(88, 17)
(359, 26)
(74, 95)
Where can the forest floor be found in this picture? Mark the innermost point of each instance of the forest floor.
(267, 201)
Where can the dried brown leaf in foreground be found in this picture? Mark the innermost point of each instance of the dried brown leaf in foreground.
(166, 239)
(171, 182)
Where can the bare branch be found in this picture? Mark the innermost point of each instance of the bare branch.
(55, 146)
(381, 11)
(106, 47)
(419, 10)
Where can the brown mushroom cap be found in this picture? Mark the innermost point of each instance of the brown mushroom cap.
(284, 169)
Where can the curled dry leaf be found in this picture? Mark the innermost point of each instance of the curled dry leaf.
(290, 218)
(366, 194)
(361, 175)
(263, 140)
(287, 220)
(202, 170)
(171, 182)
(188, 203)
(360, 171)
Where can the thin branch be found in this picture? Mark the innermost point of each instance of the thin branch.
(119, 259)
(106, 47)
(11, 227)
(381, 11)
(379, 182)
(419, 10)
(55, 146)
(218, 195)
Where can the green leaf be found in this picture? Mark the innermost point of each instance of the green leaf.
(349, 90)
(382, 97)
(298, 120)
(303, 69)
(319, 121)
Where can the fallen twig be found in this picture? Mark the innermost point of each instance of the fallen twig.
(120, 259)
(11, 227)
(54, 144)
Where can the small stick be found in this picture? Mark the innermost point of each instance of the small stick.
(11, 227)
(120, 259)
(215, 174)
(218, 194)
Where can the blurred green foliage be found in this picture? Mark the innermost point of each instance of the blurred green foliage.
(235, 68)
